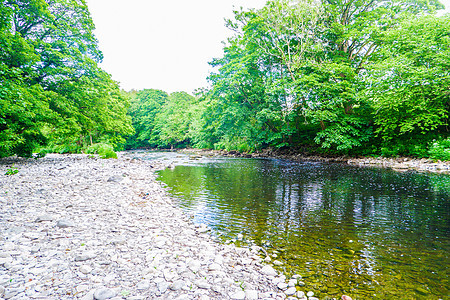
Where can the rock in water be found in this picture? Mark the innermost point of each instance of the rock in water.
(345, 297)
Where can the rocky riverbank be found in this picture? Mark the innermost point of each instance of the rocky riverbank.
(77, 227)
(398, 164)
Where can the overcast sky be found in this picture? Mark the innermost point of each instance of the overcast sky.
(163, 44)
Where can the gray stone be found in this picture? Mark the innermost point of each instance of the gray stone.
(2, 291)
(202, 283)
(194, 265)
(177, 285)
(104, 293)
(269, 271)
(291, 291)
(85, 269)
(143, 285)
(310, 294)
(282, 286)
(251, 294)
(239, 295)
(162, 286)
(214, 267)
(65, 223)
(43, 218)
(85, 256)
(88, 296)
(301, 294)
(32, 235)
(116, 178)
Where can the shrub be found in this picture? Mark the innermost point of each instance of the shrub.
(103, 150)
(12, 171)
(440, 150)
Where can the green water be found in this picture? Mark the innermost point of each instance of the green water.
(369, 233)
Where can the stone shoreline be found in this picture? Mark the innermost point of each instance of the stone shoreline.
(398, 164)
(77, 227)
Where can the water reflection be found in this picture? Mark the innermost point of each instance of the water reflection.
(371, 233)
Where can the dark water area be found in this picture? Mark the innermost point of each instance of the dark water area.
(370, 233)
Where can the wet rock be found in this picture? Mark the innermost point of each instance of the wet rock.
(282, 286)
(310, 294)
(277, 263)
(291, 291)
(301, 294)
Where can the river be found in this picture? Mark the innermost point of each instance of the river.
(371, 233)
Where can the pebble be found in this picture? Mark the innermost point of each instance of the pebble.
(76, 227)
(65, 224)
(291, 291)
(239, 295)
(251, 294)
(104, 293)
(85, 269)
(282, 286)
(269, 271)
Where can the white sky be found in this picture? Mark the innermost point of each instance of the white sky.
(164, 44)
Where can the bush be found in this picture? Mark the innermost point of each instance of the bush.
(440, 150)
(103, 150)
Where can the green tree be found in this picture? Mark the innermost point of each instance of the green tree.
(411, 83)
(144, 109)
(173, 121)
(51, 86)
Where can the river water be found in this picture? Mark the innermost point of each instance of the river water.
(370, 233)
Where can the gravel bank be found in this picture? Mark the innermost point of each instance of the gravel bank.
(76, 227)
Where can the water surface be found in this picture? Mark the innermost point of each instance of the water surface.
(367, 232)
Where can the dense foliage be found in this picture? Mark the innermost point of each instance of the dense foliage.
(340, 77)
(52, 91)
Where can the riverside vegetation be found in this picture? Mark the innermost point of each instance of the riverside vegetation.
(354, 78)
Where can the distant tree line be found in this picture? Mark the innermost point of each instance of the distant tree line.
(358, 77)
(53, 95)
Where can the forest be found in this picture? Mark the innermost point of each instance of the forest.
(335, 77)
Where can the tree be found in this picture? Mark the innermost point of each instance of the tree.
(411, 84)
(144, 109)
(51, 86)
